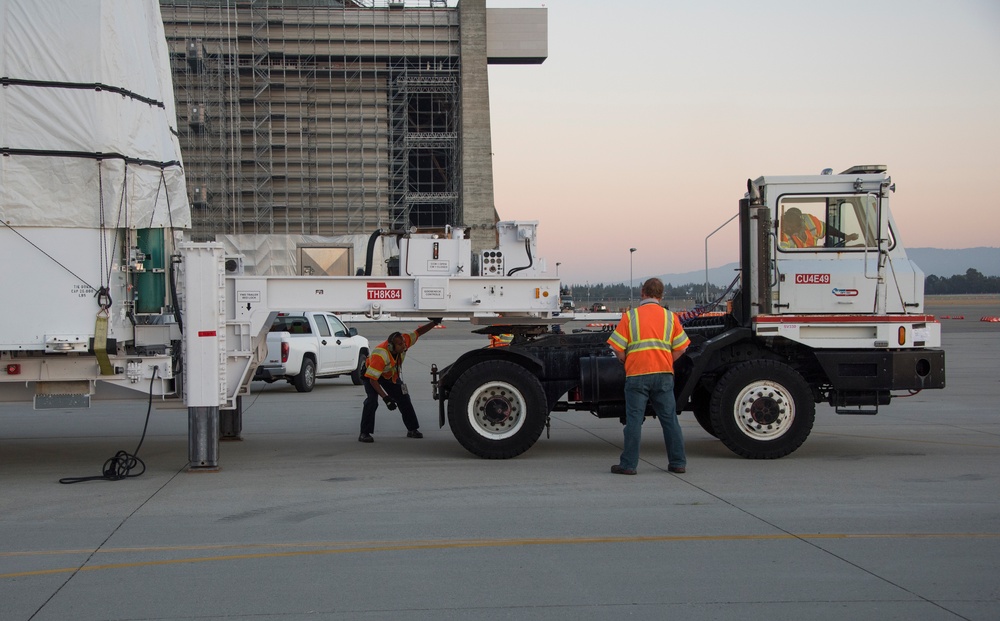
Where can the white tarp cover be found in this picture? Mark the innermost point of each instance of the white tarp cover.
(116, 43)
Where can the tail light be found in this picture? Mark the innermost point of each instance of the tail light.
(284, 352)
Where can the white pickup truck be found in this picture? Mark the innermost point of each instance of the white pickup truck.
(302, 347)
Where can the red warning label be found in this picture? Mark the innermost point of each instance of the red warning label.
(381, 291)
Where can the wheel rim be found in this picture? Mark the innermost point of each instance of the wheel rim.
(497, 410)
(764, 410)
(310, 374)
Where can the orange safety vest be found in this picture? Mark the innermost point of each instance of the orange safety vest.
(648, 336)
(813, 229)
(382, 364)
(501, 340)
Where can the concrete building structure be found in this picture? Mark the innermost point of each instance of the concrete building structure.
(313, 123)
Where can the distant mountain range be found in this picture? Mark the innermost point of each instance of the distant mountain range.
(946, 263)
(936, 261)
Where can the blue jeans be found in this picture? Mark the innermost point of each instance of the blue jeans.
(658, 390)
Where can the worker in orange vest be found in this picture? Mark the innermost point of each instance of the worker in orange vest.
(799, 230)
(648, 340)
(382, 380)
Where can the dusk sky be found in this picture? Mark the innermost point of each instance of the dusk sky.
(648, 117)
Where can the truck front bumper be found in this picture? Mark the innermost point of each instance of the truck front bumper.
(906, 369)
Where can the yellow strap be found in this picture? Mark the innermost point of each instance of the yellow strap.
(101, 344)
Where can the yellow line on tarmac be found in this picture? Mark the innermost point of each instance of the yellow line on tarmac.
(348, 548)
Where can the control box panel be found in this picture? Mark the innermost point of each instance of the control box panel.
(433, 255)
(491, 263)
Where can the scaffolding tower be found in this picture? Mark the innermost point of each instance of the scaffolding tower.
(317, 117)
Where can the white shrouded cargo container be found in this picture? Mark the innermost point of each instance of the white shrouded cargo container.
(90, 157)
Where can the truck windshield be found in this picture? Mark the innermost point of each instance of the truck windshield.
(841, 223)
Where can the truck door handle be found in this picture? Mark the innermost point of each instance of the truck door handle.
(323, 341)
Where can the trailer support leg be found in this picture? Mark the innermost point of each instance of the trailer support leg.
(203, 438)
(231, 423)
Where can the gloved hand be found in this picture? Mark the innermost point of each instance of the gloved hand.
(436, 320)
(389, 403)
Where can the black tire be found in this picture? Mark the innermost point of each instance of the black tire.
(497, 409)
(701, 401)
(762, 409)
(306, 379)
(359, 371)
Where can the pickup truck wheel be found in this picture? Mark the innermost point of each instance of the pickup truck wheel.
(762, 409)
(358, 374)
(306, 378)
(497, 409)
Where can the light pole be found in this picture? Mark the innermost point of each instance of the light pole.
(631, 282)
(557, 268)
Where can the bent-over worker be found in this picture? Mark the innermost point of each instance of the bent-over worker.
(384, 365)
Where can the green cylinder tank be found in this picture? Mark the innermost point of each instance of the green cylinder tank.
(150, 285)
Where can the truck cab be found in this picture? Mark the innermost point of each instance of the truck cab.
(835, 248)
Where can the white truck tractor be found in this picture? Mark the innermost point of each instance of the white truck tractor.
(832, 315)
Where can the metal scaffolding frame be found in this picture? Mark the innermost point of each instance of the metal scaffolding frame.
(317, 117)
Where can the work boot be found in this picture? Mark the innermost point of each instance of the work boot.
(366, 438)
(414, 433)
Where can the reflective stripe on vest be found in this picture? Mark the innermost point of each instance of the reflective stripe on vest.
(646, 351)
(635, 344)
(389, 368)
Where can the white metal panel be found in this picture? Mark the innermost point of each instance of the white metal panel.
(203, 312)
(49, 281)
(432, 255)
(825, 282)
(853, 332)
(254, 297)
(518, 35)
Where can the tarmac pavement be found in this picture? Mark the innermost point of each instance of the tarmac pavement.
(894, 516)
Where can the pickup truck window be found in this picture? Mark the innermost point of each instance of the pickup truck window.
(324, 329)
(339, 329)
(295, 325)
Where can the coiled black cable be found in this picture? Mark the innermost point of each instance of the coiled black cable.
(122, 465)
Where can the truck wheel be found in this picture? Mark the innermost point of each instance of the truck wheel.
(306, 378)
(359, 371)
(762, 409)
(497, 409)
